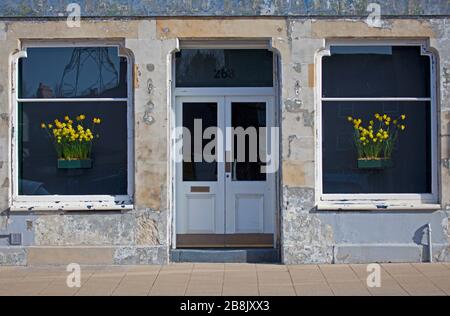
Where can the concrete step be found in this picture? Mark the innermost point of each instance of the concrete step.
(250, 255)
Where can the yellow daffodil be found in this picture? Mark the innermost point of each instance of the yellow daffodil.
(376, 140)
(72, 141)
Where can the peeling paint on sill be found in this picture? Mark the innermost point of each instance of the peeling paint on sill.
(366, 206)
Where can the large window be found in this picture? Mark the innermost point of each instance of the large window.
(377, 124)
(73, 123)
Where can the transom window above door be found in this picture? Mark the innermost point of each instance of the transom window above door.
(197, 68)
(377, 125)
(72, 144)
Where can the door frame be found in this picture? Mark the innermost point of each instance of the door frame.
(245, 93)
(173, 92)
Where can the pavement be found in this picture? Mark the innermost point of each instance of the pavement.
(187, 279)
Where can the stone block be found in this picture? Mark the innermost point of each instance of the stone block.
(360, 253)
(13, 256)
(131, 255)
(66, 255)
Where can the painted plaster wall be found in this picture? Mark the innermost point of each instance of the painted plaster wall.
(142, 235)
(139, 8)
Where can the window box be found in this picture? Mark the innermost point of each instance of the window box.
(374, 163)
(75, 164)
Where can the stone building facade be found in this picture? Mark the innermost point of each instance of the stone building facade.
(307, 229)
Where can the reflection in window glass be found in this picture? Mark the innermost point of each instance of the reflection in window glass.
(376, 71)
(38, 171)
(78, 73)
(224, 68)
(248, 115)
(73, 72)
(204, 114)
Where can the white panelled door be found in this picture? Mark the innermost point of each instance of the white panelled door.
(224, 198)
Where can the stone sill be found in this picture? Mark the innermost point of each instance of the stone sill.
(69, 207)
(365, 206)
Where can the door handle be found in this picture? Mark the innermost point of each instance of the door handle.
(228, 167)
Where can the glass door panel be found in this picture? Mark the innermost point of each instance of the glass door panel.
(197, 117)
(248, 120)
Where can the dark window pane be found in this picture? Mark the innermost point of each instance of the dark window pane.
(194, 168)
(38, 170)
(411, 170)
(73, 72)
(361, 71)
(224, 68)
(245, 166)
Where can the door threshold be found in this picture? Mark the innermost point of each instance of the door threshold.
(227, 241)
(228, 255)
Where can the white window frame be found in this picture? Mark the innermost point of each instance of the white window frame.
(68, 202)
(361, 202)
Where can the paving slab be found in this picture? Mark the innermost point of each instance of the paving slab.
(135, 285)
(313, 289)
(419, 285)
(338, 273)
(307, 276)
(349, 288)
(99, 286)
(432, 269)
(277, 290)
(388, 287)
(443, 283)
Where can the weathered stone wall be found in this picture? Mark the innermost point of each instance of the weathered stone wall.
(135, 237)
(314, 236)
(142, 235)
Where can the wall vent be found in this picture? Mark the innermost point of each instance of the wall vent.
(15, 239)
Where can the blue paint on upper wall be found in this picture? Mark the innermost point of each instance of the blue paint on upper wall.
(152, 8)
